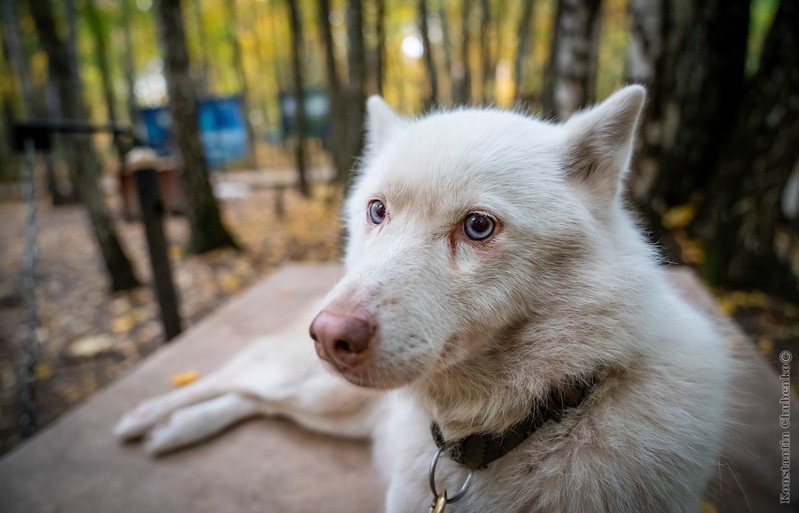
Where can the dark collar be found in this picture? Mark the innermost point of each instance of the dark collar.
(478, 450)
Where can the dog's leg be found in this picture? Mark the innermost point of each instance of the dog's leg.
(146, 415)
(200, 421)
(278, 375)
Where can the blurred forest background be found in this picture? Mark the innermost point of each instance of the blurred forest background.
(715, 175)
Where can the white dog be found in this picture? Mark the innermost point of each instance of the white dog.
(496, 282)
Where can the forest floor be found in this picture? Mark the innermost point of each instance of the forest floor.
(89, 337)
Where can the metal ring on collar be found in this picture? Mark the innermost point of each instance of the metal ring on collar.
(432, 476)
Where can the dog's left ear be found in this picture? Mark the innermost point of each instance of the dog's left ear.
(381, 122)
(600, 141)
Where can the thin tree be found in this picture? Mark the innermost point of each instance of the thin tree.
(380, 65)
(73, 107)
(485, 51)
(128, 62)
(356, 94)
(524, 48)
(446, 40)
(100, 40)
(69, 150)
(644, 63)
(342, 159)
(462, 85)
(205, 222)
(741, 219)
(570, 77)
(295, 25)
(238, 64)
(203, 74)
(429, 62)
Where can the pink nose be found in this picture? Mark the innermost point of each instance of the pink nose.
(342, 339)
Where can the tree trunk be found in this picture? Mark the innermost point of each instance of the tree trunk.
(712, 75)
(485, 51)
(295, 23)
(381, 45)
(342, 159)
(741, 218)
(429, 62)
(238, 64)
(128, 63)
(74, 66)
(524, 48)
(61, 72)
(663, 36)
(462, 82)
(100, 40)
(202, 76)
(646, 40)
(205, 222)
(12, 42)
(356, 95)
(446, 41)
(570, 82)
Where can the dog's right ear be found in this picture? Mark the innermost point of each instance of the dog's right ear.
(381, 122)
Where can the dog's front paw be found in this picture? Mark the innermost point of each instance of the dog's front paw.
(138, 421)
(199, 421)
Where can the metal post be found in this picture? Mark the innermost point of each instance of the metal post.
(27, 420)
(152, 210)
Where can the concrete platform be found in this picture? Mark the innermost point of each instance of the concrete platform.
(270, 465)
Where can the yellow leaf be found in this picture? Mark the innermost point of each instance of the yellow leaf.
(707, 507)
(678, 217)
(184, 378)
(765, 346)
(727, 306)
(176, 252)
(123, 323)
(43, 371)
(229, 282)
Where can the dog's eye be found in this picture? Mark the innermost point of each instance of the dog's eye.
(478, 226)
(377, 211)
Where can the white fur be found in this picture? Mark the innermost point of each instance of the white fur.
(471, 334)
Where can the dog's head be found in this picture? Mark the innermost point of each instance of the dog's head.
(464, 224)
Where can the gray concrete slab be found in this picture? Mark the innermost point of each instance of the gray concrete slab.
(270, 465)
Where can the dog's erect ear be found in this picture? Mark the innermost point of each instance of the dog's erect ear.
(600, 141)
(381, 122)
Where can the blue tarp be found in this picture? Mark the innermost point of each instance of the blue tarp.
(222, 129)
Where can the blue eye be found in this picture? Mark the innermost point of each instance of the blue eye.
(377, 211)
(478, 226)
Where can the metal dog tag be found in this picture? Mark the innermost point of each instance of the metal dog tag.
(439, 503)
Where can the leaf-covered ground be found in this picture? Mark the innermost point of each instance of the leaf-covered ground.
(88, 336)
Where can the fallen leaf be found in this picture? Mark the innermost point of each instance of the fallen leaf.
(229, 282)
(184, 378)
(765, 346)
(727, 306)
(43, 371)
(678, 217)
(123, 323)
(87, 347)
(707, 507)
